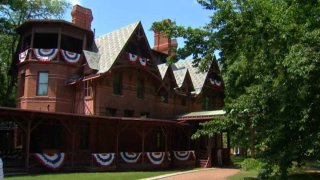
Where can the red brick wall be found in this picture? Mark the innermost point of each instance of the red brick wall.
(60, 96)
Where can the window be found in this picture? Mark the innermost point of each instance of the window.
(206, 103)
(128, 113)
(87, 88)
(111, 112)
(117, 83)
(42, 88)
(140, 88)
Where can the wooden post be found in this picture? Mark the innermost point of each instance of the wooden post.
(31, 44)
(59, 43)
(73, 134)
(142, 145)
(209, 149)
(28, 132)
(117, 145)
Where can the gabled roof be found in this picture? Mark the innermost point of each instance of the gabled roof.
(180, 70)
(92, 59)
(198, 78)
(180, 75)
(109, 47)
(163, 68)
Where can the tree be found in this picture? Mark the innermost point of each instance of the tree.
(269, 57)
(13, 14)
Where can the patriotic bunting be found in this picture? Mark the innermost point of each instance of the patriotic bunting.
(156, 158)
(103, 160)
(134, 58)
(70, 57)
(45, 55)
(23, 55)
(51, 161)
(143, 61)
(130, 157)
(183, 155)
(215, 82)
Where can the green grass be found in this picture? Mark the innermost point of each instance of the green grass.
(311, 170)
(95, 176)
(244, 175)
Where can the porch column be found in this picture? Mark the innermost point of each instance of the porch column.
(209, 150)
(28, 132)
(142, 144)
(73, 134)
(117, 145)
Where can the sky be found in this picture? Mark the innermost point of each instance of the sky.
(109, 15)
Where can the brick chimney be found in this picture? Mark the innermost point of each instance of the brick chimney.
(165, 44)
(81, 17)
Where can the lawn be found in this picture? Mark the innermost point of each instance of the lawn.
(311, 171)
(96, 176)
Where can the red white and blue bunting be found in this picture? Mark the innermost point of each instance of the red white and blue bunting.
(45, 54)
(183, 155)
(156, 158)
(143, 61)
(70, 57)
(133, 58)
(104, 159)
(215, 82)
(23, 55)
(130, 157)
(51, 161)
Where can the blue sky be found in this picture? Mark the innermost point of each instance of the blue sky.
(109, 15)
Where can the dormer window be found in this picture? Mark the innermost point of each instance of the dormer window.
(42, 88)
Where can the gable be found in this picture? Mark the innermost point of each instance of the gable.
(127, 46)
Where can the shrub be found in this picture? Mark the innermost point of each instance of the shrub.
(251, 164)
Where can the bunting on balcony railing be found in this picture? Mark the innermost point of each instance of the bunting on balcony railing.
(215, 82)
(70, 57)
(156, 158)
(45, 55)
(184, 155)
(130, 157)
(23, 55)
(52, 161)
(133, 58)
(104, 159)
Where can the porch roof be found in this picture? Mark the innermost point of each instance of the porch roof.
(25, 115)
(201, 115)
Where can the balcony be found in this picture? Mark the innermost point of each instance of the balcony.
(49, 55)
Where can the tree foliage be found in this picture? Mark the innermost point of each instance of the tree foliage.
(12, 14)
(270, 57)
